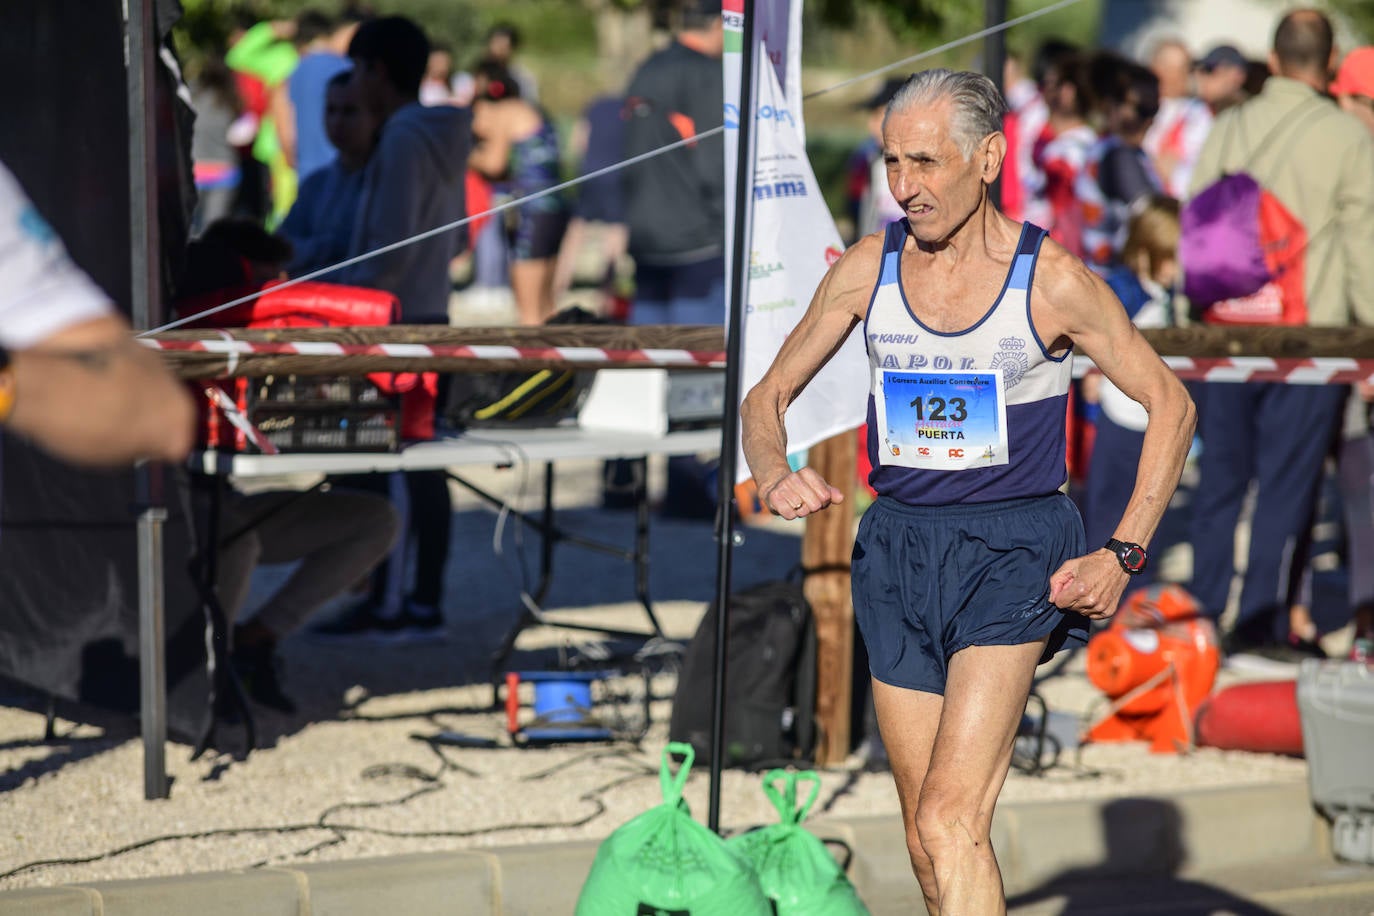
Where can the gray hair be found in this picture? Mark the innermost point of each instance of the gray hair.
(978, 106)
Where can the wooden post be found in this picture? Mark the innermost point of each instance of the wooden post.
(826, 548)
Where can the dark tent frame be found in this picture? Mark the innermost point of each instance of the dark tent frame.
(145, 249)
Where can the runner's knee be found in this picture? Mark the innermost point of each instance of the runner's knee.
(948, 819)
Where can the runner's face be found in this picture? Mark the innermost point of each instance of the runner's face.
(927, 172)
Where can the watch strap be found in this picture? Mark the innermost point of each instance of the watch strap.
(1122, 549)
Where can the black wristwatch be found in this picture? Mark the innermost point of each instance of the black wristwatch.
(1132, 557)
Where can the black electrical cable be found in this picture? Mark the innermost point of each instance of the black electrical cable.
(850, 781)
(433, 782)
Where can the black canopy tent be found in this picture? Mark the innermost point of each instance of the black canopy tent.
(69, 557)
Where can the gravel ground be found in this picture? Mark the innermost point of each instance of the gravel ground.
(346, 778)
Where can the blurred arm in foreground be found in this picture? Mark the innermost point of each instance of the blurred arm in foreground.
(71, 377)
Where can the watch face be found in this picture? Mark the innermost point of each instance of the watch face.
(1134, 558)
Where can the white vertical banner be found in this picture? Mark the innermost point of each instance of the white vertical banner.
(793, 239)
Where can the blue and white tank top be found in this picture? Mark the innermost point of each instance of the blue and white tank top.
(970, 416)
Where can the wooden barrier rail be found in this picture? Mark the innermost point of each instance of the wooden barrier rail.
(206, 353)
(211, 353)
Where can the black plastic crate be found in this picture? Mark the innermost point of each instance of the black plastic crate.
(298, 413)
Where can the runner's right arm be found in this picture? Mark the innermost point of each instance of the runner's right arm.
(840, 302)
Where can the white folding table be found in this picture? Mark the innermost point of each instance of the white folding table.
(477, 447)
(473, 447)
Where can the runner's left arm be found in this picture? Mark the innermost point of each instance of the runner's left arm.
(1084, 310)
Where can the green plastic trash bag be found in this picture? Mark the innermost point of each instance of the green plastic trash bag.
(663, 863)
(797, 872)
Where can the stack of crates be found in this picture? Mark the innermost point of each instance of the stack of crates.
(299, 413)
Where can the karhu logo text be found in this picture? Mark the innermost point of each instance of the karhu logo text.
(894, 338)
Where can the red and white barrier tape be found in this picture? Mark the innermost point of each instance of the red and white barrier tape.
(1314, 371)
(1292, 371)
(644, 357)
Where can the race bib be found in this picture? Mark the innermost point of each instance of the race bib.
(940, 421)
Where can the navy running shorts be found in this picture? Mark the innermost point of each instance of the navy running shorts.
(931, 580)
(535, 235)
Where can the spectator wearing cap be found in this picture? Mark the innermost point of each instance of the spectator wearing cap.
(1222, 74)
(1354, 86)
(872, 204)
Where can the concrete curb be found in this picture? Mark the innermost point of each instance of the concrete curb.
(1036, 842)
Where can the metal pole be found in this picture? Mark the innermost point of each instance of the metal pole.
(994, 63)
(729, 437)
(141, 52)
(151, 658)
(140, 60)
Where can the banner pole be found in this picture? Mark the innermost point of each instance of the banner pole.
(729, 437)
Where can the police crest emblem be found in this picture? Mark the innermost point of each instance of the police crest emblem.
(1011, 360)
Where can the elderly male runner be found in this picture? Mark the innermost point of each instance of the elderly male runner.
(971, 567)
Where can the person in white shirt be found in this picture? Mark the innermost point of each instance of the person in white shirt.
(72, 378)
(1183, 122)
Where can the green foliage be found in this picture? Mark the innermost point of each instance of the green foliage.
(918, 23)
(1360, 15)
(841, 38)
(545, 26)
(1079, 24)
(556, 27)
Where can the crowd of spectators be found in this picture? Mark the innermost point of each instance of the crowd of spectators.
(1107, 152)
(348, 133)
(341, 135)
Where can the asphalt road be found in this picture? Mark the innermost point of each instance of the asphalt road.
(1317, 887)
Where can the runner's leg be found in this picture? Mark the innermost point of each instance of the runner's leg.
(985, 697)
(908, 720)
